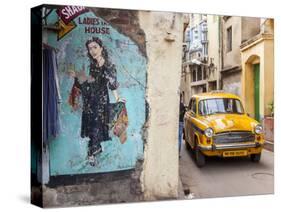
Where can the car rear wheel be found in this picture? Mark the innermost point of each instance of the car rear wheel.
(199, 158)
(256, 157)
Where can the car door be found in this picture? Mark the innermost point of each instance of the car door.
(188, 121)
(193, 112)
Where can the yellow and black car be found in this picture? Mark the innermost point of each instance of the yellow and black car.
(215, 124)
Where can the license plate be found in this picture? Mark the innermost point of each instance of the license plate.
(235, 153)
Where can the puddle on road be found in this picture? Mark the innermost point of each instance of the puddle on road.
(263, 176)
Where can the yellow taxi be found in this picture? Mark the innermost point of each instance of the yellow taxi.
(215, 124)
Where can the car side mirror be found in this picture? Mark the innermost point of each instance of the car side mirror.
(192, 114)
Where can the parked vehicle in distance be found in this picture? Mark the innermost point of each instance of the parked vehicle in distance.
(215, 124)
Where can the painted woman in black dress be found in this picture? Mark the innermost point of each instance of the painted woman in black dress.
(95, 96)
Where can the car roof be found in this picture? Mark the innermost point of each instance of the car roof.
(213, 95)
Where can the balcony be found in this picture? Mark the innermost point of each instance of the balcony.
(198, 83)
(204, 41)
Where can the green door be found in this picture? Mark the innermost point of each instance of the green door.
(257, 90)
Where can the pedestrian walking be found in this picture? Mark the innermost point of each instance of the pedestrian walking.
(181, 115)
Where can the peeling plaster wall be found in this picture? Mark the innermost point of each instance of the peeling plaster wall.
(232, 83)
(250, 28)
(160, 169)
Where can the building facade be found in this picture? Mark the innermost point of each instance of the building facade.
(235, 30)
(211, 53)
(257, 78)
(201, 55)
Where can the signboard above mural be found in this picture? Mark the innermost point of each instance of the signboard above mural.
(68, 13)
(66, 23)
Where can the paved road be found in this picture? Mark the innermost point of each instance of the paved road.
(224, 177)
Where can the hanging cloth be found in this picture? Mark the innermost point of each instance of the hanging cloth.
(50, 97)
(55, 65)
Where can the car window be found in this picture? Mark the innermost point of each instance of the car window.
(220, 105)
(193, 106)
(202, 107)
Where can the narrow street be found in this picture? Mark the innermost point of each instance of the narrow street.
(225, 177)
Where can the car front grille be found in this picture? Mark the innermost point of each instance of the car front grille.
(234, 137)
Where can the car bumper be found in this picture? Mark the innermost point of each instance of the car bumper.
(229, 146)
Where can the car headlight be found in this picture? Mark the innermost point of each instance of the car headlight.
(209, 132)
(258, 129)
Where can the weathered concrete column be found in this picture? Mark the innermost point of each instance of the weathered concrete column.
(164, 52)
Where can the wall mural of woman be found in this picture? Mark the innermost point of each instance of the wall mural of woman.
(94, 89)
(103, 88)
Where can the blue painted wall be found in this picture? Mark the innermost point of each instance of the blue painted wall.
(68, 151)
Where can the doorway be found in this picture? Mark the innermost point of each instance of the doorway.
(256, 69)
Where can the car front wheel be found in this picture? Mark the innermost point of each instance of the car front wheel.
(199, 158)
(256, 157)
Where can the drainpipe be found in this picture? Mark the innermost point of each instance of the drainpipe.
(220, 53)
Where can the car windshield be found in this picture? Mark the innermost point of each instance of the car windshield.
(220, 105)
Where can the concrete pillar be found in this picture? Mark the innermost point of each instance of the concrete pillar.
(163, 32)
